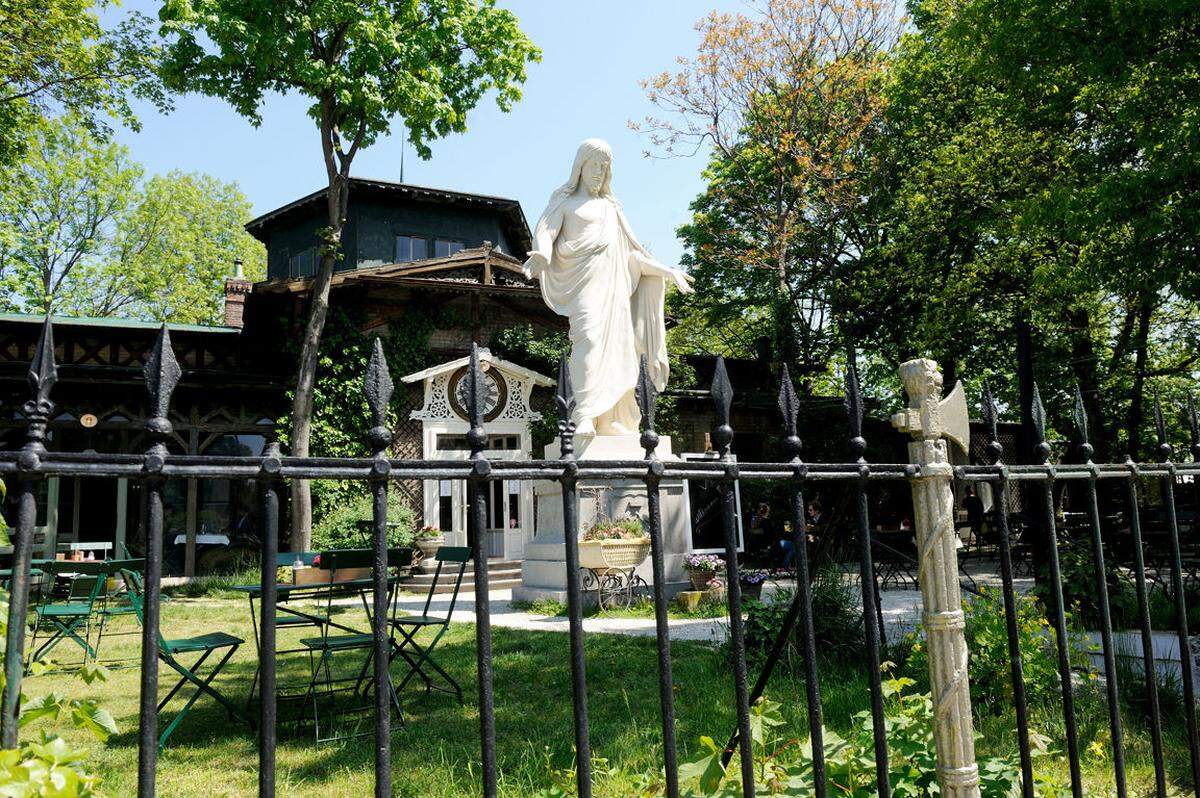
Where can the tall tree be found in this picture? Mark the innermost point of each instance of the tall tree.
(786, 99)
(82, 232)
(363, 63)
(57, 58)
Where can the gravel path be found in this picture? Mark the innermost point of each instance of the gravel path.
(901, 611)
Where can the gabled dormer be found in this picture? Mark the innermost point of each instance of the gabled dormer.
(390, 223)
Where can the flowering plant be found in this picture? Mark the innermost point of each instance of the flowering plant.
(702, 563)
(607, 529)
(427, 532)
(753, 577)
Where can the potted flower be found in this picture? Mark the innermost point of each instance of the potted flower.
(752, 582)
(609, 544)
(701, 569)
(429, 539)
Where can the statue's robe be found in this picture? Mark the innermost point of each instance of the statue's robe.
(612, 291)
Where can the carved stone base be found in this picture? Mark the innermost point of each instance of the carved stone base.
(544, 571)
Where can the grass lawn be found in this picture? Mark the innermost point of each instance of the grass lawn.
(435, 751)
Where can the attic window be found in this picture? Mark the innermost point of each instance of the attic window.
(303, 264)
(443, 248)
(410, 248)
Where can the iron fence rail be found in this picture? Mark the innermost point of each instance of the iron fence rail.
(272, 470)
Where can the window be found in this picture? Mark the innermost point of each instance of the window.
(458, 443)
(443, 248)
(303, 264)
(410, 248)
(445, 505)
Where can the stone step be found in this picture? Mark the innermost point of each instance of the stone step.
(448, 587)
(448, 577)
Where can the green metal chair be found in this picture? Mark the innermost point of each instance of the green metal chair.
(116, 604)
(407, 627)
(336, 640)
(65, 619)
(169, 650)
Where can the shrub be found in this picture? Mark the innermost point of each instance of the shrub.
(338, 527)
(987, 641)
(784, 767)
(837, 621)
(50, 765)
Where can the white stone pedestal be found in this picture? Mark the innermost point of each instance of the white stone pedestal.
(544, 570)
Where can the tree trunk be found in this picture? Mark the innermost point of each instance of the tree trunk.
(1136, 415)
(337, 199)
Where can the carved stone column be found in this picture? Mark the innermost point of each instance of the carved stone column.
(930, 421)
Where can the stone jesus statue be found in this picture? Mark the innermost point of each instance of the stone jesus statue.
(592, 270)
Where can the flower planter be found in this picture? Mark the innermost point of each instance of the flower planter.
(430, 546)
(604, 555)
(700, 579)
(753, 591)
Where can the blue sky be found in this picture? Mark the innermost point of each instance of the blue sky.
(594, 54)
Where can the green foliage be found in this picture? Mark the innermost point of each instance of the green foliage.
(83, 232)
(619, 529)
(49, 766)
(837, 622)
(784, 767)
(987, 639)
(341, 417)
(361, 64)
(58, 58)
(337, 527)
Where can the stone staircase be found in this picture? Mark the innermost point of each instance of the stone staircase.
(502, 574)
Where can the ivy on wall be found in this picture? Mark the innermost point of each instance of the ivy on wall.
(341, 417)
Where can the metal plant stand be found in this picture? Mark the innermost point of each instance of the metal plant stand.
(615, 587)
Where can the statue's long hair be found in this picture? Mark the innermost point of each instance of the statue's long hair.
(590, 148)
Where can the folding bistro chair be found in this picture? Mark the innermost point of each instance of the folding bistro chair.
(407, 627)
(204, 645)
(336, 638)
(66, 619)
(116, 604)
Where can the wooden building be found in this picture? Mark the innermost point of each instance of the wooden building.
(405, 247)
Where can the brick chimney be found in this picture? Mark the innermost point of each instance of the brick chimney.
(236, 290)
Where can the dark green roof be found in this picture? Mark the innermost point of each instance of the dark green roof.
(113, 322)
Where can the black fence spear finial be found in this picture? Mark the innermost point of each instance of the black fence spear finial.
(1041, 448)
(162, 373)
(722, 393)
(989, 411)
(854, 408)
(789, 408)
(378, 388)
(1160, 430)
(1081, 425)
(647, 397)
(564, 402)
(1194, 426)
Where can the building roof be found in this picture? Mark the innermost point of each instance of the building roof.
(509, 209)
(485, 357)
(477, 268)
(113, 322)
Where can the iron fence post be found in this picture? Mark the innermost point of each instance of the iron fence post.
(42, 375)
(944, 620)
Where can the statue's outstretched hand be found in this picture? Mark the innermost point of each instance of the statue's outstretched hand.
(535, 264)
(683, 281)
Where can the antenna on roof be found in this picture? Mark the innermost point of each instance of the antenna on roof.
(403, 147)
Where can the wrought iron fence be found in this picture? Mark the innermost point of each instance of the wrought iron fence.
(957, 771)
